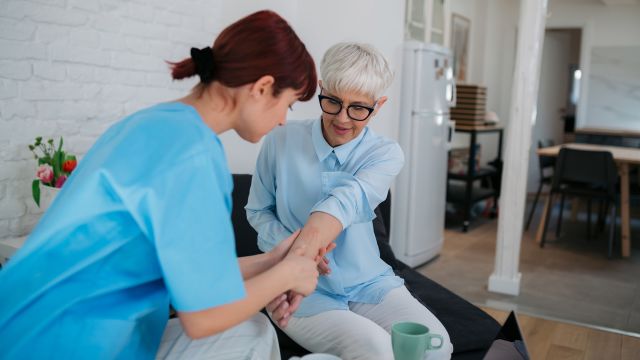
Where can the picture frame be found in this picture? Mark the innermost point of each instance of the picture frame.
(460, 39)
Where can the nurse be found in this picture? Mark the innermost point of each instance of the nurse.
(144, 222)
(327, 175)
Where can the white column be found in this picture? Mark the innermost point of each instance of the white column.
(506, 277)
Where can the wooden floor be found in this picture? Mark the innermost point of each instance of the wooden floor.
(547, 339)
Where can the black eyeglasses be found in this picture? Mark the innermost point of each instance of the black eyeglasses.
(333, 106)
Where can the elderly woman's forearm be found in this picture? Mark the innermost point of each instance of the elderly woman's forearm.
(320, 230)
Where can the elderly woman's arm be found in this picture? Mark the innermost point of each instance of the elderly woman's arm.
(351, 199)
(261, 206)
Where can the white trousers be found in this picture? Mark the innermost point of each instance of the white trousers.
(363, 331)
(254, 339)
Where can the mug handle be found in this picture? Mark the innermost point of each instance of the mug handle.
(430, 345)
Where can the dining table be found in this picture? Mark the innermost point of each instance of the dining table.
(624, 157)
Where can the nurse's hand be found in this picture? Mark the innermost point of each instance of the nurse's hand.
(302, 271)
(279, 252)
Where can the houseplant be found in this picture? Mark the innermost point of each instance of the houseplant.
(54, 166)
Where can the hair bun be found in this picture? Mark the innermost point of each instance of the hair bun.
(203, 60)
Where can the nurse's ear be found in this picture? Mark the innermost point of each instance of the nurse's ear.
(263, 86)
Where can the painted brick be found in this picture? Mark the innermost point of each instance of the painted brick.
(22, 50)
(9, 169)
(51, 91)
(11, 29)
(79, 55)
(23, 224)
(92, 6)
(48, 33)
(11, 208)
(160, 80)
(8, 89)
(58, 3)
(139, 12)
(165, 17)
(49, 71)
(65, 110)
(17, 107)
(137, 62)
(81, 73)
(16, 151)
(151, 31)
(75, 67)
(137, 45)
(189, 37)
(109, 41)
(85, 38)
(17, 70)
(108, 23)
(46, 13)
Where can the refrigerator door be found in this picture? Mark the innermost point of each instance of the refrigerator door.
(427, 185)
(434, 80)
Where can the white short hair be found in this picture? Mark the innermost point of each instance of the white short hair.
(355, 67)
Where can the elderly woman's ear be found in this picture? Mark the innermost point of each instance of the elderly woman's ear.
(379, 104)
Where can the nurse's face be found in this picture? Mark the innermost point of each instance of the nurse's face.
(346, 114)
(262, 115)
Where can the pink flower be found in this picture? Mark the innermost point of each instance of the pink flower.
(61, 180)
(45, 173)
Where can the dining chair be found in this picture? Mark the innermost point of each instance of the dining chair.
(586, 174)
(546, 165)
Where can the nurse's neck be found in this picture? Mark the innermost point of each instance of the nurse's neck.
(215, 105)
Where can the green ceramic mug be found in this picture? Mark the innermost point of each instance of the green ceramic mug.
(410, 341)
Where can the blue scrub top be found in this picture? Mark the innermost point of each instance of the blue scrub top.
(144, 221)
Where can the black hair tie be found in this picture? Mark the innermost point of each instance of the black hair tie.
(203, 59)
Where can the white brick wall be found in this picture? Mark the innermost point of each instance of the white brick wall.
(71, 68)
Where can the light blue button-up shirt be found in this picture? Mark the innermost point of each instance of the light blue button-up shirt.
(298, 173)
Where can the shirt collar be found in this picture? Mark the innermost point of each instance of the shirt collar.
(323, 149)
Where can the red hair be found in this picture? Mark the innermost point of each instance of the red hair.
(260, 44)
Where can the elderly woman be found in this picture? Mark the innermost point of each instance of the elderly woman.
(326, 176)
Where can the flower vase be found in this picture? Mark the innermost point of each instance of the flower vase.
(47, 195)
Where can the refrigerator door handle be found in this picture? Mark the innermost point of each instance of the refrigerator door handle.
(451, 125)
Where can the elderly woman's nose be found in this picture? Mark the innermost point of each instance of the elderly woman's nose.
(342, 115)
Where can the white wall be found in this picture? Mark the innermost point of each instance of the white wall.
(73, 67)
(491, 59)
(614, 88)
(605, 26)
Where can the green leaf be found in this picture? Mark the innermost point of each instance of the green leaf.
(69, 157)
(35, 191)
(60, 144)
(57, 164)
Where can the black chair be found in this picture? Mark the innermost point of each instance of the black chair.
(587, 174)
(547, 164)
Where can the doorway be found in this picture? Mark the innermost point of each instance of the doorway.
(558, 93)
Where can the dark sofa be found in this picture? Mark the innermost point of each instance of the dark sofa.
(471, 329)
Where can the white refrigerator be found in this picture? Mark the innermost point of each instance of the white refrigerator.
(419, 200)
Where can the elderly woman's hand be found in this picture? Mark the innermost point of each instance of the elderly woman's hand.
(283, 306)
(322, 261)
